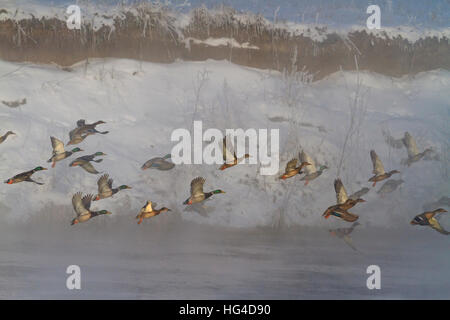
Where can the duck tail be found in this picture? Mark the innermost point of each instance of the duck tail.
(98, 160)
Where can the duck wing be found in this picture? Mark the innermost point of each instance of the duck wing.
(148, 206)
(378, 168)
(434, 223)
(291, 165)
(197, 186)
(359, 193)
(228, 156)
(104, 184)
(89, 167)
(81, 205)
(341, 194)
(304, 157)
(57, 145)
(410, 144)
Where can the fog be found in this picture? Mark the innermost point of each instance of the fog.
(168, 258)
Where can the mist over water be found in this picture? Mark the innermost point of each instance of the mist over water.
(167, 258)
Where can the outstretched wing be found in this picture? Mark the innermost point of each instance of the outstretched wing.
(197, 186)
(57, 145)
(79, 205)
(104, 184)
(341, 194)
(378, 168)
(304, 157)
(228, 156)
(434, 223)
(148, 206)
(87, 201)
(410, 145)
(359, 193)
(89, 167)
(291, 165)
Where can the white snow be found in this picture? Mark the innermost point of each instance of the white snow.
(142, 110)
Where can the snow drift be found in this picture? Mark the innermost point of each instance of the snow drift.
(143, 103)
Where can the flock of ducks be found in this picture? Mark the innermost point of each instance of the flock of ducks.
(82, 204)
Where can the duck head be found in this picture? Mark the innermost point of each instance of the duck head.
(76, 150)
(39, 168)
(124, 186)
(218, 191)
(100, 154)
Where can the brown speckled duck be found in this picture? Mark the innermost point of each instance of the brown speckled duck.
(229, 155)
(428, 219)
(148, 211)
(378, 169)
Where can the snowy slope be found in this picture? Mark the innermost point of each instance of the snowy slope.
(142, 110)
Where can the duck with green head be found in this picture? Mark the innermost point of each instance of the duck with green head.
(25, 176)
(58, 151)
(82, 207)
(105, 189)
(159, 163)
(197, 194)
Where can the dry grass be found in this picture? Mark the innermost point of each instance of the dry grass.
(149, 32)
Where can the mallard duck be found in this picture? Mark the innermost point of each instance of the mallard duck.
(147, 211)
(292, 169)
(3, 138)
(428, 219)
(105, 189)
(197, 194)
(25, 176)
(378, 169)
(58, 151)
(413, 153)
(344, 203)
(311, 172)
(389, 186)
(90, 127)
(344, 234)
(86, 165)
(159, 163)
(82, 208)
(229, 155)
(77, 135)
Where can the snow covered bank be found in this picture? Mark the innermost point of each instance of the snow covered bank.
(143, 103)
